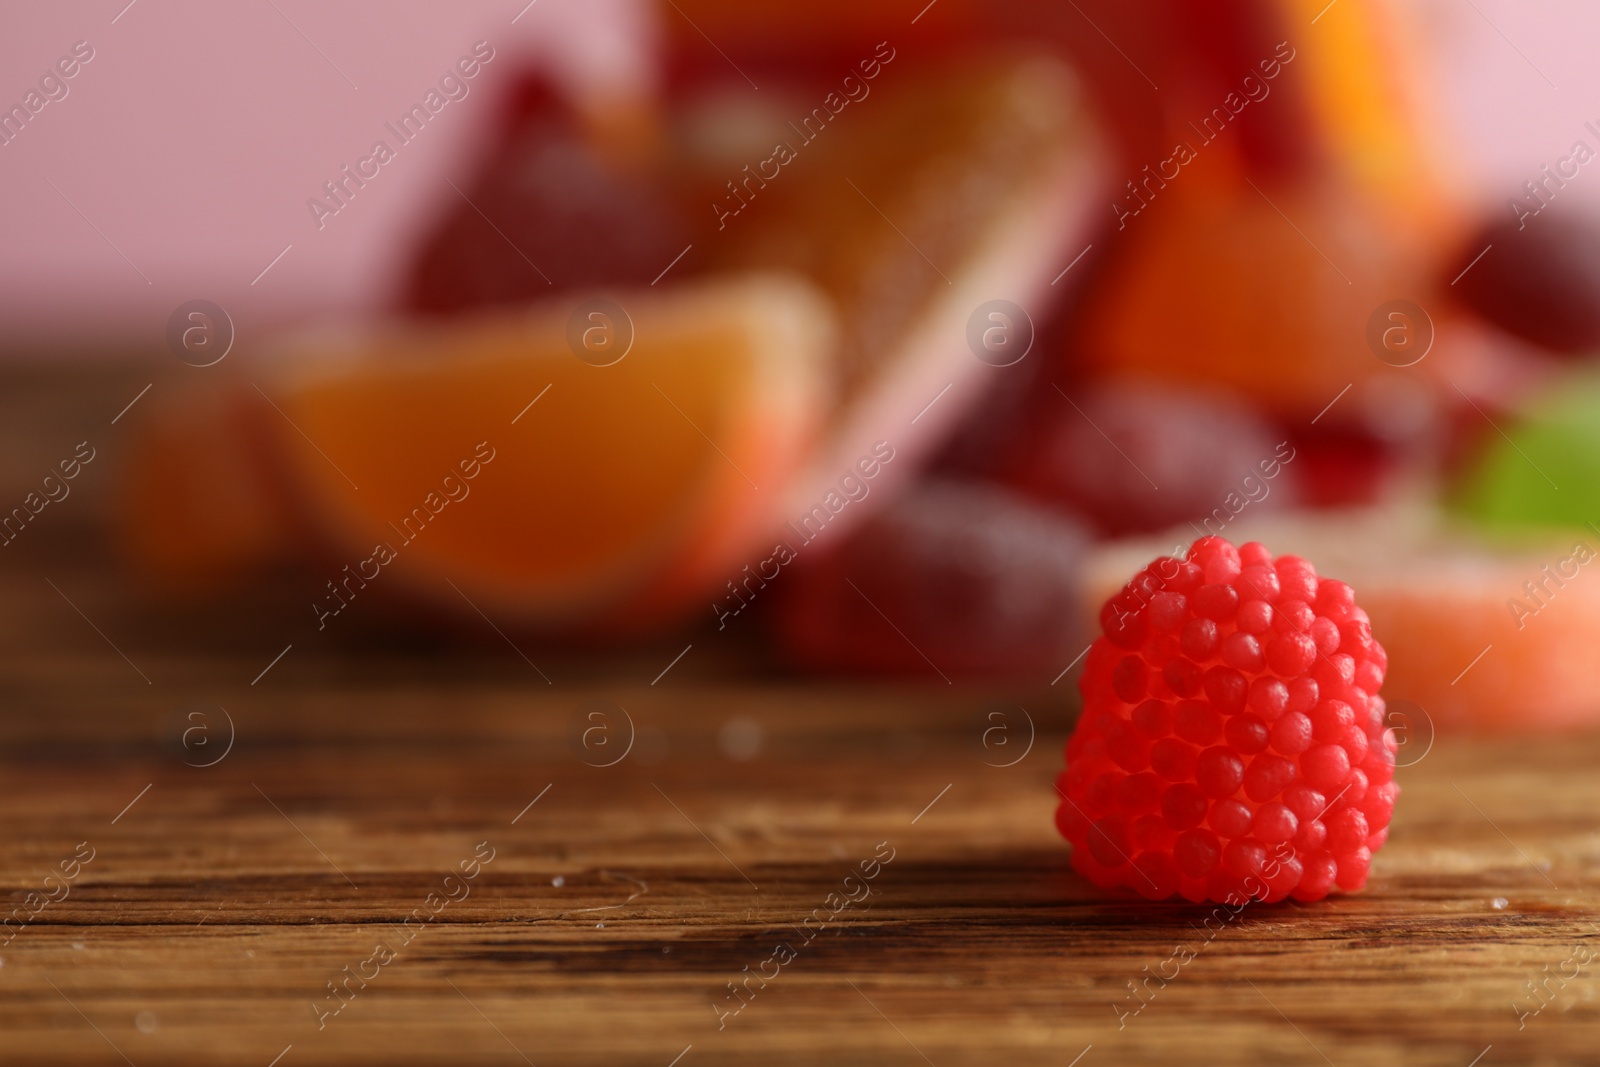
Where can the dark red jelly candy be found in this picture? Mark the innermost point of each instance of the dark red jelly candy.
(1137, 458)
(952, 578)
(545, 214)
(1539, 279)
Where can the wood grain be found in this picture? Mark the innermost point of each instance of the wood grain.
(367, 765)
(220, 903)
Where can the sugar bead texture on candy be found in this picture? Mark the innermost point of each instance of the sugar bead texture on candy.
(1232, 743)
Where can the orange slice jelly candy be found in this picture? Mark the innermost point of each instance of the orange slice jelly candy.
(485, 451)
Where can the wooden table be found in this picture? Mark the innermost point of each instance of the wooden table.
(620, 901)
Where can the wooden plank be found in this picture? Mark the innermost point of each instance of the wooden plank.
(617, 908)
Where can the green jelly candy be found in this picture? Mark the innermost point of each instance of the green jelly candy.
(1544, 471)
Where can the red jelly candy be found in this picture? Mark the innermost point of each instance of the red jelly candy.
(547, 213)
(1136, 458)
(1536, 278)
(1273, 776)
(949, 579)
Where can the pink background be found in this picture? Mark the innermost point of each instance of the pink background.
(198, 131)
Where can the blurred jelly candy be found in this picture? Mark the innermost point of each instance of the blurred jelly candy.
(1262, 281)
(969, 175)
(1266, 291)
(1536, 278)
(481, 463)
(1544, 471)
(1342, 465)
(629, 493)
(946, 187)
(1131, 458)
(949, 579)
(548, 211)
(1380, 437)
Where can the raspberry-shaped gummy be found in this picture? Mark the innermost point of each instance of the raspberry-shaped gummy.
(1232, 744)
